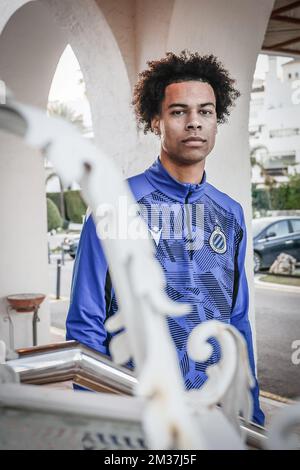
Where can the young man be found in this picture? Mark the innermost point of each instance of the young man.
(181, 98)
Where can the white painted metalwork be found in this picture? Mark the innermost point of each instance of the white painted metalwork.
(172, 417)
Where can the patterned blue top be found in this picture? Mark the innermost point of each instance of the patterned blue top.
(200, 236)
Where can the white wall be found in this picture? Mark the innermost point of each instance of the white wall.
(120, 17)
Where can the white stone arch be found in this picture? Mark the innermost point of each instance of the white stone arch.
(105, 74)
(83, 25)
(31, 44)
(8, 8)
(30, 47)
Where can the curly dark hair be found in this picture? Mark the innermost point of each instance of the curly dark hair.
(150, 89)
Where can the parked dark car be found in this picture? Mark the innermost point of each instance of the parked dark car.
(272, 236)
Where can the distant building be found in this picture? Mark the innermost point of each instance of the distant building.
(274, 123)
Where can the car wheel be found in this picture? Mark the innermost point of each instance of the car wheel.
(256, 262)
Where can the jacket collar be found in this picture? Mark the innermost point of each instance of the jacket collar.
(158, 176)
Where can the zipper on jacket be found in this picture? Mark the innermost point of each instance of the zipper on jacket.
(188, 223)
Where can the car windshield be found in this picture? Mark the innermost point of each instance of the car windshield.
(258, 225)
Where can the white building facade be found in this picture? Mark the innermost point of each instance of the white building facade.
(274, 123)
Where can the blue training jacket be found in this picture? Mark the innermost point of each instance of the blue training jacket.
(209, 276)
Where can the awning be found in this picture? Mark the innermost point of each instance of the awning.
(283, 32)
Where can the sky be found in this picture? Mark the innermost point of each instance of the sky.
(65, 85)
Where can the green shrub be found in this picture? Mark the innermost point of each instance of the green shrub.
(293, 200)
(283, 197)
(55, 197)
(260, 199)
(54, 219)
(280, 196)
(75, 206)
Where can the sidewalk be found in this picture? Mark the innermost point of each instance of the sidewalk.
(272, 285)
(272, 406)
(59, 307)
(59, 310)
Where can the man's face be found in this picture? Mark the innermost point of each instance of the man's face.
(187, 122)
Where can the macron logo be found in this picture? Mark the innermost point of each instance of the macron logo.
(156, 234)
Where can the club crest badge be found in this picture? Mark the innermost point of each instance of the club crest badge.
(217, 241)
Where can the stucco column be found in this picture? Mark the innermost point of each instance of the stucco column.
(30, 47)
(23, 244)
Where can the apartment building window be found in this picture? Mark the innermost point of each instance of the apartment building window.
(284, 132)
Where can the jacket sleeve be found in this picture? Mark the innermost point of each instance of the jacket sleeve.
(239, 313)
(87, 311)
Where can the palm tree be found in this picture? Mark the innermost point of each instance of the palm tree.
(62, 110)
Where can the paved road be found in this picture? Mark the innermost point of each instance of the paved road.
(277, 325)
